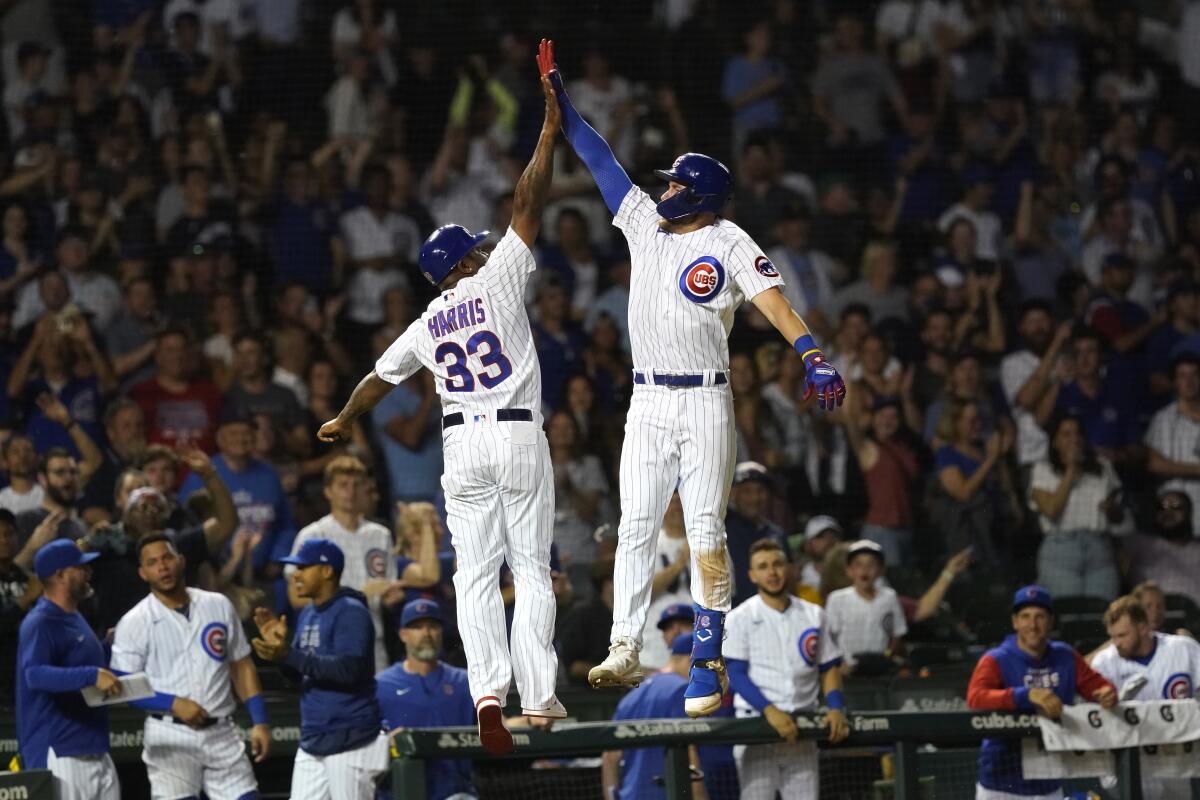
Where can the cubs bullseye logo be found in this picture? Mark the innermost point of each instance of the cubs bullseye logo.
(1178, 687)
(765, 267)
(702, 280)
(808, 645)
(212, 640)
(376, 562)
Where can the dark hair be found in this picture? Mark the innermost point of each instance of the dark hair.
(1184, 358)
(253, 336)
(1035, 304)
(151, 538)
(1107, 205)
(1084, 332)
(50, 455)
(767, 543)
(172, 330)
(8, 518)
(158, 452)
(8, 443)
(862, 309)
(116, 407)
(1090, 464)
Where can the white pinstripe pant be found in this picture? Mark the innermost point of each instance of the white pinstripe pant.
(683, 435)
(84, 777)
(791, 769)
(500, 505)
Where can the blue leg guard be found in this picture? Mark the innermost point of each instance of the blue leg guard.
(708, 631)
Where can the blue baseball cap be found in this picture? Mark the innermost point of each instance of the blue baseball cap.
(317, 551)
(59, 554)
(1033, 595)
(420, 609)
(681, 645)
(673, 612)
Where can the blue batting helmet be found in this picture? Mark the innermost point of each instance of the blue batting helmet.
(708, 183)
(444, 248)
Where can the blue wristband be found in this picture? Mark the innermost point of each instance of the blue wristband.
(835, 700)
(257, 709)
(806, 346)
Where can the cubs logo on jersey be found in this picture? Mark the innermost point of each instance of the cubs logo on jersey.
(213, 638)
(376, 562)
(702, 280)
(765, 267)
(1178, 687)
(808, 645)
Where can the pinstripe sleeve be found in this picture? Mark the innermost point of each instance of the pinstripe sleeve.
(637, 217)
(751, 270)
(828, 651)
(400, 360)
(129, 645)
(509, 265)
(238, 647)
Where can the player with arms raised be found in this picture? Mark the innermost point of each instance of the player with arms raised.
(691, 271)
(498, 480)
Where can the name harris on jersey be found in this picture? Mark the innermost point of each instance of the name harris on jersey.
(455, 318)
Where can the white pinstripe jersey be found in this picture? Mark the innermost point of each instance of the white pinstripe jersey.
(785, 649)
(368, 554)
(475, 338)
(685, 288)
(1172, 672)
(184, 656)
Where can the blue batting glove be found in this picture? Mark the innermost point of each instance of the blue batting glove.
(822, 378)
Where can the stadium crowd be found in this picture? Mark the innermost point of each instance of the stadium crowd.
(988, 212)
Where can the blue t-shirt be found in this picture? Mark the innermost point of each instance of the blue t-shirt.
(948, 456)
(661, 696)
(83, 400)
(440, 699)
(300, 239)
(1109, 419)
(742, 74)
(261, 503)
(57, 655)
(412, 474)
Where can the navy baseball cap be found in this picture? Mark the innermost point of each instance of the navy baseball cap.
(673, 612)
(317, 551)
(1033, 595)
(681, 645)
(59, 554)
(420, 609)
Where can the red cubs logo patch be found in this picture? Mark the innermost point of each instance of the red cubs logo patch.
(1178, 687)
(808, 645)
(376, 563)
(765, 267)
(212, 640)
(702, 280)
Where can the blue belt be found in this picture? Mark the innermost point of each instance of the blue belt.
(660, 379)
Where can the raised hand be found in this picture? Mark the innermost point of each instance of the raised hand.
(195, 458)
(53, 409)
(545, 62)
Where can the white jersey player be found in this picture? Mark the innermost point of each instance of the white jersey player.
(367, 546)
(779, 654)
(190, 644)
(498, 481)
(691, 270)
(1146, 665)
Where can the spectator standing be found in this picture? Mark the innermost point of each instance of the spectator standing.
(876, 289)
(302, 236)
(365, 545)
(55, 518)
(254, 391)
(1077, 498)
(379, 242)
(581, 498)
(613, 303)
(808, 273)
(560, 342)
(125, 432)
(1173, 335)
(408, 421)
(1173, 438)
(761, 435)
(865, 617)
(975, 206)
(18, 592)
(58, 656)
(1029, 374)
(129, 337)
(574, 260)
(23, 492)
(762, 198)
(1170, 554)
(177, 406)
(754, 84)
(746, 522)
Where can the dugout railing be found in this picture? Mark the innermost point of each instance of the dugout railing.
(904, 734)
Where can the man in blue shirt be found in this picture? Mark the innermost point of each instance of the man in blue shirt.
(424, 692)
(637, 774)
(342, 750)
(409, 421)
(57, 656)
(262, 505)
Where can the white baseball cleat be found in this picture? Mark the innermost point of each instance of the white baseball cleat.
(621, 667)
(545, 717)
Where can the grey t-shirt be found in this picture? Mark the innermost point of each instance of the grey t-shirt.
(855, 86)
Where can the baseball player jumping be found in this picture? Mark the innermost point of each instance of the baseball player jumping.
(691, 271)
(191, 646)
(476, 340)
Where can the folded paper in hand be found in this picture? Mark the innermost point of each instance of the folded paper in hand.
(134, 686)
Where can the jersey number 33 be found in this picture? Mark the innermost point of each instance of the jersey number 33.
(485, 346)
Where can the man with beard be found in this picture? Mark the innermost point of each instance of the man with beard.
(1166, 666)
(58, 655)
(1028, 375)
(423, 692)
(769, 680)
(191, 645)
(58, 474)
(1171, 555)
(125, 427)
